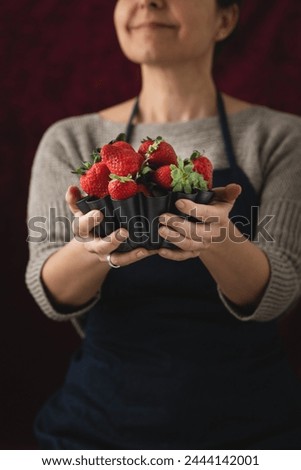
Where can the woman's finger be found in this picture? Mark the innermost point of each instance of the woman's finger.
(177, 255)
(125, 259)
(224, 199)
(180, 241)
(108, 244)
(83, 224)
(227, 194)
(199, 211)
(193, 230)
(73, 195)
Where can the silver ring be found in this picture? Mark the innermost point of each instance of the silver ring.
(110, 262)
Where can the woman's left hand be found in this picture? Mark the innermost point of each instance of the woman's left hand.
(191, 238)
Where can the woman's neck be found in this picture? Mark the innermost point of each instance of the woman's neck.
(170, 95)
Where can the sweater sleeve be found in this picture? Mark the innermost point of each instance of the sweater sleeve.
(48, 216)
(279, 219)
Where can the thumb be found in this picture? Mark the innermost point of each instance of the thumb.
(228, 194)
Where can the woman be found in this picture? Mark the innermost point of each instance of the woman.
(179, 354)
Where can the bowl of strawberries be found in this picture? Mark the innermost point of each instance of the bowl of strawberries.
(133, 188)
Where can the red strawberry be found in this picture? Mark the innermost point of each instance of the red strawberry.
(126, 146)
(158, 152)
(162, 176)
(122, 187)
(94, 178)
(120, 141)
(144, 146)
(121, 161)
(141, 188)
(203, 166)
(123, 145)
(180, 178)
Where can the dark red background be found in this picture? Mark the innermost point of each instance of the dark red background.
(61, 58)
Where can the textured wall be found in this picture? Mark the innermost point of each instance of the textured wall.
(61, 58)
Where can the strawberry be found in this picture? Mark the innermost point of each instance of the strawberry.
(121, 161)
(123, 145)
(94, 179)
(158, 152)
(203, 166)
(120, 141)
(144, 146)
(162, 176)
(142, 188)
(180, 178)
(122, 187)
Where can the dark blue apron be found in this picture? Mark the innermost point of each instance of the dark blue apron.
(164, 365)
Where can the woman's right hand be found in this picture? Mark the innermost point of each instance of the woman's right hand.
(83, 225)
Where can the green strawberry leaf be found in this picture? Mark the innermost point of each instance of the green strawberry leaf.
(95, 156)
(188, 168)
(184, 178)
(176, 173)
(83, 169)
(147, 138)
(120, 137)
(187, 187)
(123, 179)
(198, 182)
(178, 187)
(195, 155)
(180, 164)
(145, 170)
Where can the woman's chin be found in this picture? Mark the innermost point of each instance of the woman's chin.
(151, 54)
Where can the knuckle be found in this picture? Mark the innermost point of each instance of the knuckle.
(91, 219)
(74, 226)
(112, 240)
(90, 247)
(81, 227)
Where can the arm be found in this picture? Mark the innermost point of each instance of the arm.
(240, 268)
(275, 165)
(74, 274)
(85, 276)
(244, 284)
(257, 280)
(63, 274)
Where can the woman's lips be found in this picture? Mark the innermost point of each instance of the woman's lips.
(152, 25)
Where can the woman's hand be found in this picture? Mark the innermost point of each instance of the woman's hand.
(83, 225)
(212, 226)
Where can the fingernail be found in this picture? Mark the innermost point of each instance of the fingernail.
(140, 254)
(180, 204)
(123, 234)
(163, 229)
(74, 190)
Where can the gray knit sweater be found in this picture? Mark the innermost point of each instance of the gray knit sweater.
(268, 148)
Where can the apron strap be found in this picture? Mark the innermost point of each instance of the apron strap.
(130, 125)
